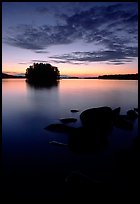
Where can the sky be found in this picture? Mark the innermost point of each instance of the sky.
(80, 38)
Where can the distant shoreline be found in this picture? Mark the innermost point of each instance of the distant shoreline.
(116, 76)
(120, 76)
(8, 76)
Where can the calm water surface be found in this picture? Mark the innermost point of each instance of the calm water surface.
(27, 110)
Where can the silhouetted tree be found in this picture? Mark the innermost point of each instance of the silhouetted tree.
(42, 73)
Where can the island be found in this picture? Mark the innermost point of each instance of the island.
(40, 72)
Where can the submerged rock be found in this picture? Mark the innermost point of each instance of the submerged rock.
(122, 121)
(68, 120)
(74, 111)
(59, 128)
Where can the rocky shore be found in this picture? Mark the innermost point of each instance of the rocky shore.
(97, 124)
(92, 135)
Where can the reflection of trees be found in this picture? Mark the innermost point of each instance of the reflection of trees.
(41, 85)
(40, 74)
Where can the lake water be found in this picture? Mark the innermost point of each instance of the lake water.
(30, 162)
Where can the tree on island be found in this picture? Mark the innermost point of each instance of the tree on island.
(42, 73)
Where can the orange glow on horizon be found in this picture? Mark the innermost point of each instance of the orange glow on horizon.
(96, 70)
(78, 70)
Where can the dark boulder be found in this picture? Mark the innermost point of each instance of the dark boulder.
(97, 118)
(132, 115)
(68, 120)
(116, 111)
(123, 122)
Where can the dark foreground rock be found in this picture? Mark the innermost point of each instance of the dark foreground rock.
(97, 124)
(116, 111)
(80, 139)
(132, 115)
(122, 121)
(68, 120)
(101, 118)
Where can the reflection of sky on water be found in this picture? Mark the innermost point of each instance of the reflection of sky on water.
(21, 102)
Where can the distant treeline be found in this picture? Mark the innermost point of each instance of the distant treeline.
(116, 76)
(5, 76)
(120, 76)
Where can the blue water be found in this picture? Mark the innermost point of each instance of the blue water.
(32, 166)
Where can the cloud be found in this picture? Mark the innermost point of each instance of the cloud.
(39, 61)
(34, 61)
(114, 27)
(41, 51)
(40, 38)
(23, 63)
(42, 10)
(66, 61)
(115, 57)
(51, 61)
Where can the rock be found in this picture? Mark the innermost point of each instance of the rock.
(68, 120)
(123, 122)
(60, 128)
(136, 109)
(132, 115)
(100, 118)
(74, 111)
(116, 111)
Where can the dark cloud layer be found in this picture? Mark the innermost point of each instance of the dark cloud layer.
(115, 27)
(116, 57)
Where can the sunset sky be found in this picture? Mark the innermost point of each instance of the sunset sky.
(80, 38)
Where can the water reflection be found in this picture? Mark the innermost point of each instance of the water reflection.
(43, 100)
(27, 109)
(42, 85)
(88, 93)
